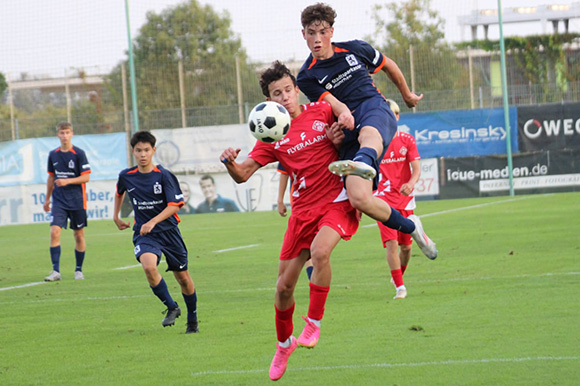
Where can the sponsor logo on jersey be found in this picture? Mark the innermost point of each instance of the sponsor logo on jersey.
(351, 60)
(318, 126)
(281, 142)
(303, 145)
(320, 81)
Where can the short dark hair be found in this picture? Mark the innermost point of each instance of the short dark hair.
(318, 12)
(275, 72)
(64, 126)
(207, 177)
(143, 136)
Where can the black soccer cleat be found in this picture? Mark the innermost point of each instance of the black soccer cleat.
(172, 314)
(192, 327)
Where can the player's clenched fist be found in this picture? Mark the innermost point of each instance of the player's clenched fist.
(229, 155)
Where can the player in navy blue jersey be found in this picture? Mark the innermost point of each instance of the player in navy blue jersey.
(68, 172)
(340, 74)
(156, 197)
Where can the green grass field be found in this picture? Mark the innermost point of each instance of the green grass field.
(499, 306)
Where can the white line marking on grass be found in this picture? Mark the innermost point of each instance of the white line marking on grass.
(236, 248)
(127, 267)
(461, 208)
(22, 286)
(408, 364)
(132, 266)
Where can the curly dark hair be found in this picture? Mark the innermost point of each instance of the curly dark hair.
(318, 12)
(275, 72)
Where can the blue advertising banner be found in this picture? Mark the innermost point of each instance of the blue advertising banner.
(461, 133)
(24, 162)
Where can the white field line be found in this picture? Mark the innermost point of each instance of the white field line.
(392, 365)
(364, 226)
(462, 208)
(132, 266)
(22, 286)
(236, 248)
(271, 289)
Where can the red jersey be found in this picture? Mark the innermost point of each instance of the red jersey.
(395, 170)
(305, 153)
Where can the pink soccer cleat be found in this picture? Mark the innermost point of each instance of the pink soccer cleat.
(310, 334)
(280, 361)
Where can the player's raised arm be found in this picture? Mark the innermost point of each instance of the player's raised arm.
(396, 76)
(240, 172)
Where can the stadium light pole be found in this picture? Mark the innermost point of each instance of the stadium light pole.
(132, 73)
(505, 100)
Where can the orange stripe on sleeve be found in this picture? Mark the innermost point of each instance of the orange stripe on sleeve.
(323, 95)
(380, 66)
(84, 196)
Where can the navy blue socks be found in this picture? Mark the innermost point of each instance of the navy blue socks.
(399, 222)
(80, 257)
(162, 293)
(55, 258)
(191, 303)
(309, 271)
(367, 155)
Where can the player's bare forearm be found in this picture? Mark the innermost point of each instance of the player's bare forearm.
(240, 172)
(49, 189)
(116, 209)
(82, 179)
(169, 211)
(396, 76)
(407, 188)
(345, 119)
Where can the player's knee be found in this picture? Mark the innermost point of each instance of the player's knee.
(360, 200)
(320, 255)
(285, 290)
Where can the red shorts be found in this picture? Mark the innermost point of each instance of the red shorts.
(303, 226)
(393, 234)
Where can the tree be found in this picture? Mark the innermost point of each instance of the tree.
(414, 24)
(202, 40)
(3, 84)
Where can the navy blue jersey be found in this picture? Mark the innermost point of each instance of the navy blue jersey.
(68, 164)
(150, 193)
(346, 74)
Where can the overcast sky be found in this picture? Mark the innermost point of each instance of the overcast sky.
(49, 36)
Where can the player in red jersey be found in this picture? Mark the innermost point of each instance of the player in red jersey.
(282, 210)
(321, 213)
(399, 171)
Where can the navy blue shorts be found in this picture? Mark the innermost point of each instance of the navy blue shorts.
(78, 218)
(373, 112)
(168, 242)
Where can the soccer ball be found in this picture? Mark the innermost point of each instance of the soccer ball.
(269, 121)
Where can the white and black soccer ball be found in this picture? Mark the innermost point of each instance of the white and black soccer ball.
(269, 121)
